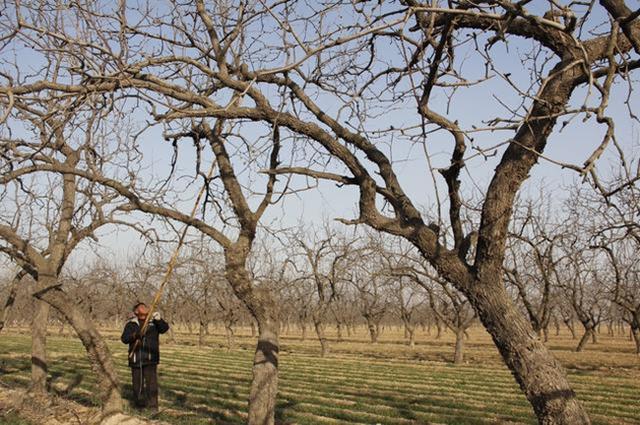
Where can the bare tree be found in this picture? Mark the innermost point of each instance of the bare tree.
(532, 257)
(64, 211)
(409, 303)
(331, 83)
(325, 255)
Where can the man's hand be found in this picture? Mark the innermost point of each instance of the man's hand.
(156, 315)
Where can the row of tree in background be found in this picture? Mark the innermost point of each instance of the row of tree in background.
(576, 271)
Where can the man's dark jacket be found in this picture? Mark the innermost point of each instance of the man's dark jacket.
(148, 351)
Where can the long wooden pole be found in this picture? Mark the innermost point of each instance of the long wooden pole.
(172, 263)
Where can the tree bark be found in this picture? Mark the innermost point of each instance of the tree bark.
(262, 306)
(97, 349)
(540, 376)
(39, 367)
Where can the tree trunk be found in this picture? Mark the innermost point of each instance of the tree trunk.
(228, 330)
(253, 329)
(339, 331)
(571, 327)
(303, 328)
(636, 337)
(13, 290)
(594, 337)
(412, 335)
(201, 333)
(262, 306)
(39, 348)
(264, 386)
(373, 333)
(324, 342)
(97, 350)
(458, 356)
(584, 339)
(540, 376)
(438, 330)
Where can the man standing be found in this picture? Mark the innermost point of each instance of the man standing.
(144, 360)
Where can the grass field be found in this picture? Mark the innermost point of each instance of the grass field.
(386, 383)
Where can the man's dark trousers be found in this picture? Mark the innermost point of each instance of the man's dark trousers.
(145, 386)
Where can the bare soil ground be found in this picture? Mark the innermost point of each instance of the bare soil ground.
(18, 406)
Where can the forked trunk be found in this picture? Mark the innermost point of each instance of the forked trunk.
(39, 367)
(540, 376)
(97, 350)
(458, 356)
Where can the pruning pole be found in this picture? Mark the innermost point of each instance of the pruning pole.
(172, 263)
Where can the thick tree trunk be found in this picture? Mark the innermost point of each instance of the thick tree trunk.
(39, 348)
(262, 306)
(540, 376)
(324, 342)
(458, 356)
(97, 350)
(264, 386)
